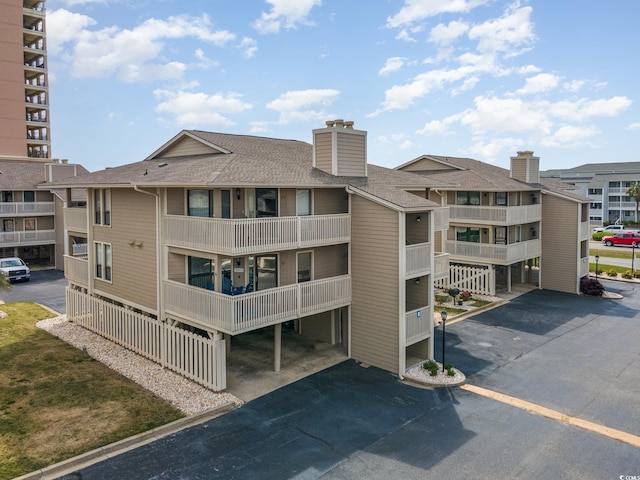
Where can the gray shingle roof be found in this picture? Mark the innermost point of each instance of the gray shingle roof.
(21, 175)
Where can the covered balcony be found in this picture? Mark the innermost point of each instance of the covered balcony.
(246, 236)
(27, 208)
(75, 219)
(250, 311)
(484, 253)
(76, 269)
(490, 215)
(27, 238)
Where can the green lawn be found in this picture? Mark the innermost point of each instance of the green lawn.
(56, 402)
(623, 252)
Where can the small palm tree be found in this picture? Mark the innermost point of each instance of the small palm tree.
(634, 191)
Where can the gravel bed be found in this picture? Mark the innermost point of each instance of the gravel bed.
(182, 393)
(419, 374)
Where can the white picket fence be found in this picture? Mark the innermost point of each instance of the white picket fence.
(479, 280)
(196, 357)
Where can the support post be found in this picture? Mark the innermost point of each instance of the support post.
(277, 346)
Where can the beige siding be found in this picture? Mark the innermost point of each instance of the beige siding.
(559, 236)
(519, 169)
(425, 164)
(57, 223)
(317, 327)
(43, 196)
(323, 153)
(287, 202)
(47, 223)
(287, 272)
(375, 292)
(176, 201)
(133, 219)
(185, 147)
(176, 267)
(329, 201)
(352, 160)
(330, 261)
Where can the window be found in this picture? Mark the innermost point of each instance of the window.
(266, 202)
(200, 203)
(6, 197)
(303, 202)
(304, 267)
(501, 198)
(226, 203)
(266, 272)
(102, 206)
(8, 225)
(467, 198)
(201, 271)
(103, 261)
(595, 191)
(468, 234)
(501, 235)
(29, 224)
(29, 196)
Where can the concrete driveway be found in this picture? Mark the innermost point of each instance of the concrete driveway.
(577, 356)
(46, 287)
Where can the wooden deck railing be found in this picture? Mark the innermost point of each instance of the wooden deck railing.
(75, 219)
(496, 215)
(76, 269)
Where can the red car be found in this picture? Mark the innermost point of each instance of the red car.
(624, 238)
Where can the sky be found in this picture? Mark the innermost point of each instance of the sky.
(470, 78)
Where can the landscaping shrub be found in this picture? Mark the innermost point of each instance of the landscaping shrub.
(598, 235)
(591, 286)
(450, 371)
(612, 273)
(432, 366)
(627, 274)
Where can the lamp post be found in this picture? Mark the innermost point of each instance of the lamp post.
(633, 256)
(443, 315)
(597, 258)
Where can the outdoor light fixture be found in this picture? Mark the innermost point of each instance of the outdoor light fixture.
(597, 258)
(238, 193)
(237, 262)
(418, 281)
(418, 219)
(443, 315)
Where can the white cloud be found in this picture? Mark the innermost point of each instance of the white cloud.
(584, 109)
(512, 30)
(417, 10)
(574, 85)
(392, 64)
(71, 3)
(490, 150)
(249, 46)
(445, 34)
(634, 126)
(293, 105)
(540, 83)
(569, 135)
(190, 108)
(64, 26)
(131, 55)
(285, 14)
(435, 127)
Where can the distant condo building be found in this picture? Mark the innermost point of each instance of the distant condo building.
(24, 88)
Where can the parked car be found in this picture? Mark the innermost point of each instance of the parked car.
(623, 238)
(15, 268)
(610, 228)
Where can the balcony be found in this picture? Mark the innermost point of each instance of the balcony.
(441, 219)
(418, 325)
(76, 269)
(496, 215)
(486, 253)
(75, 219)
(441, 266)
(585, 230)
(27, 238)
(243, 313)
(248, 236)
(418, 259)
(27, 208)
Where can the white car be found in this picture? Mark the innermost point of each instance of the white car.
(15, 269)
(610, 228)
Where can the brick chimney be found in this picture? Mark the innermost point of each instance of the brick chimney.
(525, 167)
(340, 150)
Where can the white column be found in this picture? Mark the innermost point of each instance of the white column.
(277, 346)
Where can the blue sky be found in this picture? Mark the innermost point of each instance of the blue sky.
(474, 78)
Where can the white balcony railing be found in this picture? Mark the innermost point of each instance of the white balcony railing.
(76, 269)
(79, 249)
(254, 235)
(418, 325)
(496, 215)
(441, 266)
(75, 219)
(250, 311)
(418, 259)
(584, 267)
(27, 208)
(441, 219)
(494, 254)
(25, 238)
(585, 230)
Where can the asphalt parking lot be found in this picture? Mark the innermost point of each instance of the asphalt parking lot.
(46, 287)
(576, 356)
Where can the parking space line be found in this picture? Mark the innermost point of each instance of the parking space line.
(619, 435)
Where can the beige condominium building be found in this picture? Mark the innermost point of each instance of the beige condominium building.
(215, 236)
(24, 88)
(507, 227)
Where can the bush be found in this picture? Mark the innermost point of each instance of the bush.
(612, 272)
(627, 274)
(636, 274)
(591, 286)
(432, 366)
(450, 371)
(598, 235)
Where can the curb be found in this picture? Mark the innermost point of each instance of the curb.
(113, 449)
(434, 384)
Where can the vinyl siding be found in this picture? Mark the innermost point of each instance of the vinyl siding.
(176, 201)
(323, 153)
(49, 223)
(134, 276)
(352, 159)
(519, 169)
(287, 202)
(317, 327)
(560, 245)
(287, 273)
(330, 261)
(328, 201)
(375, 277)
(176, 267)
(425, 164)
(185, 147)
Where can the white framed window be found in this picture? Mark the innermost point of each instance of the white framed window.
(103, 261)
(29, 196)
(102, 206)
(30, 224)
(303, 202)
(305, 266)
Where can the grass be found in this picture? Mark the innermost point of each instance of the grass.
(603, 268)
(450, 310)
(56, 402)
(623, 253)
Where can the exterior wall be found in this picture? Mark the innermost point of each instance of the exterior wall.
(375, 284)
(287, 202)
(351, 154)
(57, 223)
(560, 245)
(317, 327)
(176, 201)
(323, 152)
(327, 201)
(176, 267)
(330, 261)
(185, 147)
(134, 272)
(425, 164)
(287, 271)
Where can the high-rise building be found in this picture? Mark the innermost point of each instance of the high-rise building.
(24, 89)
